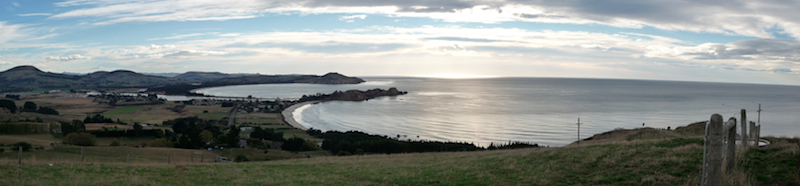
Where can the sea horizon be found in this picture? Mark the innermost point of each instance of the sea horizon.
(517, 103)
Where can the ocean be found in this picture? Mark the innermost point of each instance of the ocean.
(535, 110)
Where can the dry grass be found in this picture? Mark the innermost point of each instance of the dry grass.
(99, 126)
(34, 139)
(114, 155)
(69, 106)
(258, 118)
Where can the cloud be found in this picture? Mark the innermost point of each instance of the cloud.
(178, 36)
(10, 32)
(34, 14)
(768, 55)
(67, 58)
(755, 49)
(352, 18)
(748, 18)
(185, 54)
(15, 4)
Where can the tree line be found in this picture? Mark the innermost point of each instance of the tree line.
(355, 142)
(27, 107)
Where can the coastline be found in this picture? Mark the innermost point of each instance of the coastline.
(288, 115)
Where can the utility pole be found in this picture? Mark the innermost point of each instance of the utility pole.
(759, 114)
(579, 130)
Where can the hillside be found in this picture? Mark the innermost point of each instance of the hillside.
(642, 156)
(27, 78)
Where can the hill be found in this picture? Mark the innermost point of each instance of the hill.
(642, 156)
(27, 78)
(204, 76)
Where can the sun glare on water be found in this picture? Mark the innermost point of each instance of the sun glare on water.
(455, 76)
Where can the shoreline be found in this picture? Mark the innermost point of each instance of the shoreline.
(288, 114)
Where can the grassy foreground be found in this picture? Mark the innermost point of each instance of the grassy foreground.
(672, 161)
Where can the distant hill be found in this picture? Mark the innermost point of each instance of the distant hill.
(27, 78)
(205, 76)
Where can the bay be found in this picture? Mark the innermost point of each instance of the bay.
(536, 110)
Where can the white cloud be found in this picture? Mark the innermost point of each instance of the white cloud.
(351, 18)
(185, 54)
(229, 35)
(67, 58)
(10, 32)
(15, 4)
(178, 36)
(34, 14)
(747, 18)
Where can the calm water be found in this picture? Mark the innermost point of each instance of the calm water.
(537, 110)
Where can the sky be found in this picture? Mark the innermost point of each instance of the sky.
(739, 41)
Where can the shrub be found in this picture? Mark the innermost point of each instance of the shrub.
(8, 104)
(2, 149)
(47, 110)
(25, 146)
(29, 106)
(241, 158)
(161, 142)
(114, 143)
(81, 139)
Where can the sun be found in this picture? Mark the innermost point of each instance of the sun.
(455, 76)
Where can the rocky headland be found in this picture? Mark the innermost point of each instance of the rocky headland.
(353, 95)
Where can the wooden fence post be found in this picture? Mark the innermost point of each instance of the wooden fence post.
(169, 155)
(83, 154)
(128, 159)
(744, 133)
(201, 157)
(730, 152)
(20, 155)
(713, 174)
(192, 154)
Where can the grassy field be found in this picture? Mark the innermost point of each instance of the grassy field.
(72, 155)
(674, 162)
(258, 118)
(630, 161)
(122, 110)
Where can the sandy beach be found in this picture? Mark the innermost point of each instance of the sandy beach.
(288, 115)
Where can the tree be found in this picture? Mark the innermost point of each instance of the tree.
(81, 139)
(29, 106)
(78, 126)
(25, 146)
(47, 110)
(161, 142)
(66, 128)
(137, 128)
(233, 137)
(8, 104)
(116, 143)
(207, 136)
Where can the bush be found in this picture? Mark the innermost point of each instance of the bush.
(47, 110)
(81, 139)
(8, 104)
(161, 142)
(25, 146)
(2, 149)
(114, 143)
(241, 158)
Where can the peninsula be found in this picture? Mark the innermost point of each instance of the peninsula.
(350, 95)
